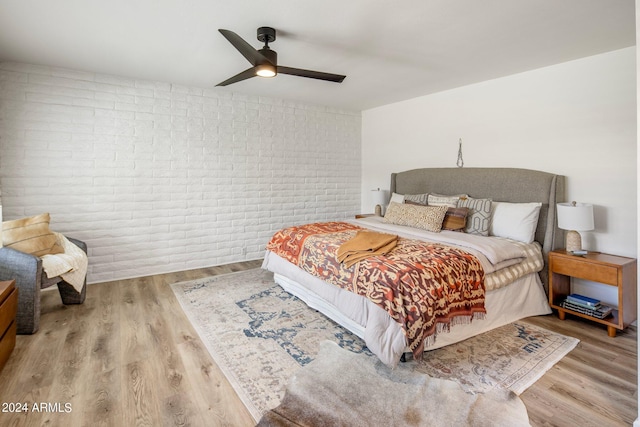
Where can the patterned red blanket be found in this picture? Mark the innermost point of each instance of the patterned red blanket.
(426, 287)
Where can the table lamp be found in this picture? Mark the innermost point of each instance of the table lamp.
(379, 201)
(574, 217)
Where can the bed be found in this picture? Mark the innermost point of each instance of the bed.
(512, 293)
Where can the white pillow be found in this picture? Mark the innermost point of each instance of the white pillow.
(517, 221)
(397, 198)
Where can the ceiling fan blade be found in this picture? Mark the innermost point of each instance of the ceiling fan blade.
(252, 55)
(337, 78)
(246, 74)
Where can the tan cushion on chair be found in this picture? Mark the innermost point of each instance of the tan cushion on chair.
(30, 235)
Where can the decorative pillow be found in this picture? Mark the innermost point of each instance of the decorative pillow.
(416, 199)
(517, 221)
(428, 218)
(30, 235)
(442, 200)
(455, 219)
(479, 216)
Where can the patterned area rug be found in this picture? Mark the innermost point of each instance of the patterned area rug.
(260, 336)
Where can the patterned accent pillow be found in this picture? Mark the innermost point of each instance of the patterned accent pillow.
(442, 200)
(428, 218)
(479, 217)
(416, 199)
(455, 219)
(30, 235)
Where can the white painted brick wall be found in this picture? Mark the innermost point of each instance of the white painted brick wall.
(157, 177)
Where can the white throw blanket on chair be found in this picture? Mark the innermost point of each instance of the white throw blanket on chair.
(71, 265)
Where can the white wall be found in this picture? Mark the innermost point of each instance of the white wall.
(577, 119)
(157, 177)
(636, 423)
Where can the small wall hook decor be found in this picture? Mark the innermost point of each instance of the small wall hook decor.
(460, 161)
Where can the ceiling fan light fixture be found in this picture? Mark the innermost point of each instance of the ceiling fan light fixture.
(265, 61)
(266, 70)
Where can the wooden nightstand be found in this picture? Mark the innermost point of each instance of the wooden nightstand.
(610, 270)
(8, 310)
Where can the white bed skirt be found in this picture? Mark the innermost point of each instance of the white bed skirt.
(385, 337)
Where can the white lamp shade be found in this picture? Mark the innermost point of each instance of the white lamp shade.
(379, 197)
(575, 216)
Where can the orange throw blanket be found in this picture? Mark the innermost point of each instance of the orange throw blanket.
(365, 244)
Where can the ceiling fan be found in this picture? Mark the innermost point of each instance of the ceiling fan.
(265, 61)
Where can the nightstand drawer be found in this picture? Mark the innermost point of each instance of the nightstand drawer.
(583, 269)
(7, 344)
(8, 307)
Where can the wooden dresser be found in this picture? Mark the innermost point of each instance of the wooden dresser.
(8, 310)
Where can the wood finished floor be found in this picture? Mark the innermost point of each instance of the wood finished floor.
(128, 356)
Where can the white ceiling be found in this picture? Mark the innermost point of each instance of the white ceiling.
(390, 50)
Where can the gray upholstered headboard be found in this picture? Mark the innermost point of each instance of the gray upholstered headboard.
(498, 184)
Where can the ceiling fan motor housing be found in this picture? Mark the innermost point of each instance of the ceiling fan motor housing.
(266, 35)
(271, 55)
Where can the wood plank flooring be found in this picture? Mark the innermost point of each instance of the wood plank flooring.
(128, 356)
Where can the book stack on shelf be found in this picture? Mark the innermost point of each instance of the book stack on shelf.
(585, 305)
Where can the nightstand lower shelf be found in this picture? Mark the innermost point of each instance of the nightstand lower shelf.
(612, 321)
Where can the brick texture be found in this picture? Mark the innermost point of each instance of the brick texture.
(158, 177)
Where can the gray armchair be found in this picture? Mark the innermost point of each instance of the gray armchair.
(27, 271)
